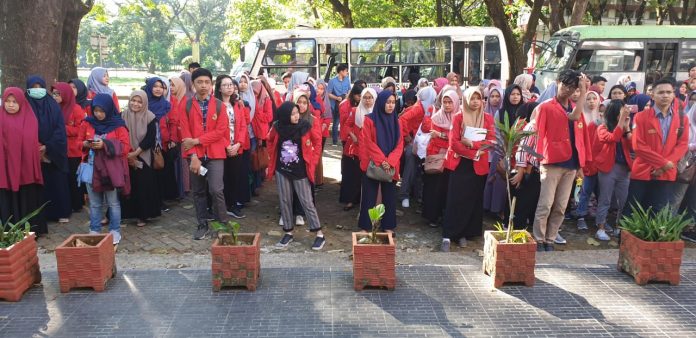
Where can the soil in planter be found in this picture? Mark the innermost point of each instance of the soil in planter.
(227, 240)
(84, 242)
(380, 240)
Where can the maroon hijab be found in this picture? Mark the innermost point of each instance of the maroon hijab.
(19, 147)
(67, 105)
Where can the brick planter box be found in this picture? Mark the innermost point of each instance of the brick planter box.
(509, 263)
(650, 261)
(19, 268)
(237, 265)
(374, 264)
(91, 266)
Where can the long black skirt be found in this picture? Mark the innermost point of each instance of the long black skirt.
(17, 204)
(464, 211)
(144, 201)
(166, 178)
(351, 178)
(56, 191)
(435, 188)
(236, 178)
(77, 194)
(245, 177)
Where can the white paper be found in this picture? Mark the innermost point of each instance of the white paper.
(475, 134)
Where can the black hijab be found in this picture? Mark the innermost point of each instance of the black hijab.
(287, 130)
(51, 125)
(81, 97)
(526, 109)
(357, 89)
(508, 108)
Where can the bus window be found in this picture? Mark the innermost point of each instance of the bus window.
(374, 51)
(291, 52)
(687, 56)
(492, 58)
(331, 55)
(608, 60)
(421, 50)
(660, 61)
(474, 76)
(373, 74)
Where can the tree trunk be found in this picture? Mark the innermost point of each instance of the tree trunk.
(640, 12)
(556, 15)
(622, 11)
(343, 9)
(438, 9)
(579, 10)
(30, 46)
(518, 59)
(71, 27)
(660, 11)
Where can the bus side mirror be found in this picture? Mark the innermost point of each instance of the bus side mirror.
(560, 50)
(241, 53)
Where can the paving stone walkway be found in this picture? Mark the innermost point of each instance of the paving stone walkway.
(430, 301)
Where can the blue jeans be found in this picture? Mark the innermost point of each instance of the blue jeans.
(655, 194)
(589, 186)
(336, 120)
(98, 200)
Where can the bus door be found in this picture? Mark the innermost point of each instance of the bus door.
(331, 55)
(467, 61)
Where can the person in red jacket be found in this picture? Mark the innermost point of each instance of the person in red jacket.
(73, 116)
(564, 142)
(293, 156)
(411, 120)
(613, 162)
(105, 123)
(351, 125)
(468, 166)
(439, 126)
(177, 88)
(660, 139)
(236, 175)
(382, 146)
(206, 135)
(98, 83)
(590, 179)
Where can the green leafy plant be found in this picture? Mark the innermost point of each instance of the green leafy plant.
(227, 232)
(663, 226)
(508, 137)
(376, 215)
(518, 237)
(12, 233)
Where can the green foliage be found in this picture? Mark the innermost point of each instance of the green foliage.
(375, 215)
(229, 228)
(663, 226)
(517, 237)
(12, 233)
(248, 16)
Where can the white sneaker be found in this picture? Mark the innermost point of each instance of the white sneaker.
(602, 235)
(117, 236)
(280, 222)
(92, 232)
(560, 240)
(405, 203)
(299, 220)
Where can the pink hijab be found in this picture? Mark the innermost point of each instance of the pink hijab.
(439, 83)
(19, 150)
(442, 119)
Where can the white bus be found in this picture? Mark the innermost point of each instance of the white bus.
(371, 54)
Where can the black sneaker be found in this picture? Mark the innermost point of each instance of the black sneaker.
(548, 247)
(202, 232)
(287, 238)
(540, 247)
(318, 243)
(236, 213)
(689, 235)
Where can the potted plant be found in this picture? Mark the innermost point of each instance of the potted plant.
(509, 255)
(19, 263)
(651, 248)
(374, 255)
(86, 261)
(236, 257)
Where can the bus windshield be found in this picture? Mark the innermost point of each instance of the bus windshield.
(250, 51)
(549, 61)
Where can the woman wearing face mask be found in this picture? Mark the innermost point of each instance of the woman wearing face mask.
(435, 184)
(106, 126)
(590, 181)
(53, 149)
(495, 192)
(468, 166)
(350, 136)
(73, 115)
(167, 138)
(98, 83)
(21, 182)
(145, 201)
(292, 143)
(382, 145)
(236, 174)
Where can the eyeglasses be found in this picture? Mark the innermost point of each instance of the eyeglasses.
(226, 85)
(55, 94)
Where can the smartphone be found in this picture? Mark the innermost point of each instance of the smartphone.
(633, 108)
(203, 171)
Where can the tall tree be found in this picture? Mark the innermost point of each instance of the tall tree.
(195, 17)
(579, 11)
(39, 45)
(343, 9)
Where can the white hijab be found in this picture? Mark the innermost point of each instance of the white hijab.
(361, 110)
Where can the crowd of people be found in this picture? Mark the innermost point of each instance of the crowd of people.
(219, 139)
